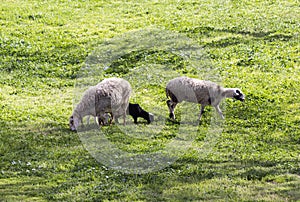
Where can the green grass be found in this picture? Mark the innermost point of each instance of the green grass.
(253, 45)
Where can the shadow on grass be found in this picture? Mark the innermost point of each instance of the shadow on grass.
(230, 41)
(269, 35)
(20, 189)
(189, 178)
(215, 179)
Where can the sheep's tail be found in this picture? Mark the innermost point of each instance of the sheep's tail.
(170, 95)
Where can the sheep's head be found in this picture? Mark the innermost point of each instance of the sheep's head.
(104, 119)
(74, 123)
(239, 95)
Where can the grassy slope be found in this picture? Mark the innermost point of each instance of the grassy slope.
(253, 45)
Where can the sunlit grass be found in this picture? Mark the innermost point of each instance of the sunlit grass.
(252, 155)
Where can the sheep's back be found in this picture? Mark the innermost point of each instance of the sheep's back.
(193, 90)
(207, 92)
(181, 89)
(112, 93)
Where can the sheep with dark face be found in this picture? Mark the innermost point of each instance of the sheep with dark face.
(198, 91)
(109, 96)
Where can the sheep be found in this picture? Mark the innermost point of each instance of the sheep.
(112, 96)
(84, 108)
(198, 91)
(109, 96)
(135, 110)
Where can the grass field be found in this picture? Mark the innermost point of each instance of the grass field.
(253, 155)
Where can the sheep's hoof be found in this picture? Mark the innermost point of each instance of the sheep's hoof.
(172, 116)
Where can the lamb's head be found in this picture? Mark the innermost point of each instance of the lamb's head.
(151, 118)
(74, 122)
(238, 94)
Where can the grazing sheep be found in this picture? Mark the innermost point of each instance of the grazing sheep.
(112, 96)
(135, 110)
(85, 107)
(109, 96)
(198, 91)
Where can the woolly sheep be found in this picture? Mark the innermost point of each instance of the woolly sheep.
(109, 96)
(85, 107)
(112, 97)
(198, 91)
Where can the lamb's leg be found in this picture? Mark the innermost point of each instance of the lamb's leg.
(171, 106)
(219, 111)
(201, 112)
(135, 119)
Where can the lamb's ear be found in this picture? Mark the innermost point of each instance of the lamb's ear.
(237, 92)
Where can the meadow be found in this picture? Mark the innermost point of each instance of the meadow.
(46, 48)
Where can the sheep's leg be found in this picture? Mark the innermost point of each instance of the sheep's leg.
(171, 106)
(81, 120)
(124, 116)
(88, 120)
(201, 112)
(112, 118)
(219, 111)
(124, 119)
(135, 119)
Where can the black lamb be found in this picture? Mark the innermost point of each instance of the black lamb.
(135, 110)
